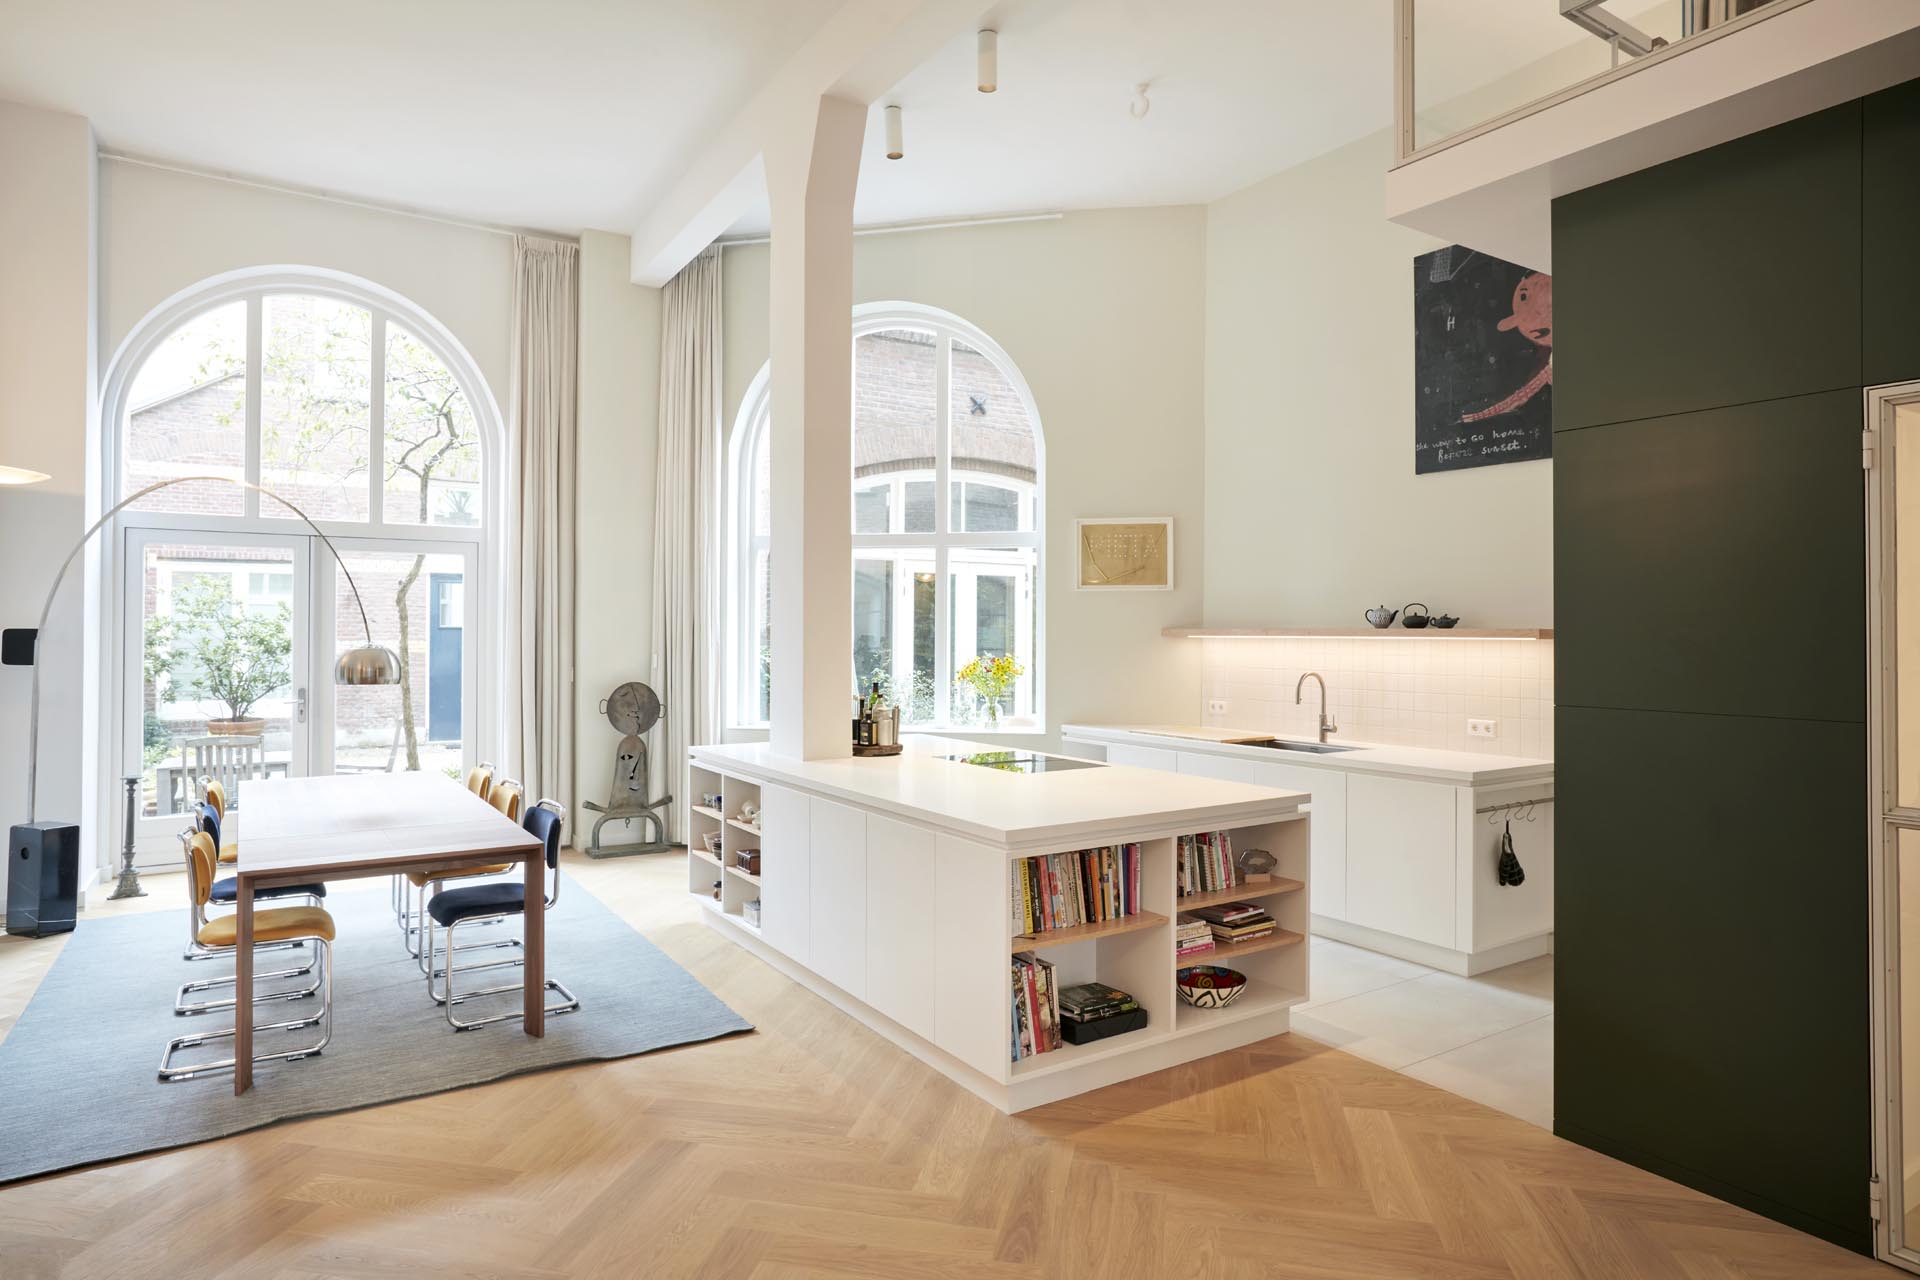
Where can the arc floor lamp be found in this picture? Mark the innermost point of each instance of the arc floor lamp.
(47, 853)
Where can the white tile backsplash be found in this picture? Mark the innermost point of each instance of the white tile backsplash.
(1413, 691)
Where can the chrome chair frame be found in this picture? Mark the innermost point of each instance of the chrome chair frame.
(411, 932)
(323, 960)
(398, 885)
(447, 998)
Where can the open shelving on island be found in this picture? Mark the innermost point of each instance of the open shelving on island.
(1084, 932)
(705, 812)
(1242, 893)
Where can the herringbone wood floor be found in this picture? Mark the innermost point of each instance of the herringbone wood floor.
(814, 1149)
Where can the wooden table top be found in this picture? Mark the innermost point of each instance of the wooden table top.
(348, 823)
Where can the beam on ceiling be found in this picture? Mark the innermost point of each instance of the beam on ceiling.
(859, 53)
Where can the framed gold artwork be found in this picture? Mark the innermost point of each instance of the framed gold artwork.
(1124, 553)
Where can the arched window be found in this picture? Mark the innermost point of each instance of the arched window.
(948, 495)
(363, 412)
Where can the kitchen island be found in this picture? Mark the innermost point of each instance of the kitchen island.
(889, 887)
(1406, 840)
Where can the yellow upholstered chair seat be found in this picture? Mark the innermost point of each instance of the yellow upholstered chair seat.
(277, 924)
(229, 852)
(421, 879)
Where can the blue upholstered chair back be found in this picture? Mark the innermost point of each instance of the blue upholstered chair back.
(210, 823)
(545, 824)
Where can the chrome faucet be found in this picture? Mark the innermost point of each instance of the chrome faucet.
(1327, 724)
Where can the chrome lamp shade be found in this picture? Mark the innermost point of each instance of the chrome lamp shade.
(367, 664)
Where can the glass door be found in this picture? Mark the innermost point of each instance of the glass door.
(217, 678)
(1893, 553)
(418, 605)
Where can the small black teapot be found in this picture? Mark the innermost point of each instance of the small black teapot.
(1414, 621)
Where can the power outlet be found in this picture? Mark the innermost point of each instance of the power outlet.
(1217, 706)
(1483, 728)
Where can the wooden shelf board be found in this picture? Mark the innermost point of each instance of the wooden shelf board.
(1352, 633)
(735, 822)
(1225, 953)
(1261, 997)
(705, 812)
(703, 855)
(1074, 1055)
(1271, 888)
(748, 876)
(1081, 932)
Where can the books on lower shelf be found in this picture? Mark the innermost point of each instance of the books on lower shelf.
(1204, 862)
(1036, 1007)
(1229, 922)
(1087, 886)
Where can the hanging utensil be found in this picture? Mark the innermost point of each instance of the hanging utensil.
(1510, 872)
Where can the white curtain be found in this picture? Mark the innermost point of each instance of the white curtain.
(546, 321)
(687, 641)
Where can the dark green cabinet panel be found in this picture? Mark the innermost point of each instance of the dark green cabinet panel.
(1723, 277)
(1890, 215)
(1714, 561)
(1711, 1016)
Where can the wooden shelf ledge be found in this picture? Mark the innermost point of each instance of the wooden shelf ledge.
(750, 830)
(1395, 632)
(705, 812)
(1081, 932)
(704, 856)
(1265, 889)
(1224, 953)
(748, 876)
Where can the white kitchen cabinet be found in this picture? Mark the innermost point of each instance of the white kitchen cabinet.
(1328, 787)
(1400, 858)
(1143, 757)
(786, 873)
(900, 959)
(1202, 765)
(838, 889)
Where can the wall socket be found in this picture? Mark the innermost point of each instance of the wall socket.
(1217, 706)
(1483, 728)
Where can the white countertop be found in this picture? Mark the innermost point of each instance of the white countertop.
(1016, 811)
(1462, 768)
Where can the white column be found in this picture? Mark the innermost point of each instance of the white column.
(812, 164)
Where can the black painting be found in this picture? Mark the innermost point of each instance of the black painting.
(1482, 361)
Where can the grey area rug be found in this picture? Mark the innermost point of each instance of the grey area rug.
(77, 1072)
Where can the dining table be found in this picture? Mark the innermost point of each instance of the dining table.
(351, 826)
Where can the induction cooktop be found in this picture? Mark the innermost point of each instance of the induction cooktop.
(1022, 762)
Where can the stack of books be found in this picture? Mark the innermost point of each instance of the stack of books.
(1092, 1011)
(1204, 862)
(1231, 922)
(1089, 886)
(1191, 937)
(1036, 1006)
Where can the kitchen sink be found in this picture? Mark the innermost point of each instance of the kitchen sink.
(1312, 748)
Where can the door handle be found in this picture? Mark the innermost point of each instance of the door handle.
(300, 705)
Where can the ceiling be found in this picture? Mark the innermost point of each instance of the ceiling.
(582, 113)
(559, 115)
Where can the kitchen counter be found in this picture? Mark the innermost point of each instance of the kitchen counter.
(1013, 811)
(888, 887)
(1463, 768)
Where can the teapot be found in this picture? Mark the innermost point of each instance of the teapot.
(1414, 621)
(1382, 617)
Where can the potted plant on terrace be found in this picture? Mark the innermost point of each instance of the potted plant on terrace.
(213, 647)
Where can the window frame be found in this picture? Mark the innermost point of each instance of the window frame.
(745, 545)
(483, 545)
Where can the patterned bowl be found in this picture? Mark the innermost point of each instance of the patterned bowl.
(1209, 986)
(712, 841)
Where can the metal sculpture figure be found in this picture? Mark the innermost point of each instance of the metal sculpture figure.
(632, 709)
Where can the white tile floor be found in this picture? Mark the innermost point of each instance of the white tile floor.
(1488, 1038)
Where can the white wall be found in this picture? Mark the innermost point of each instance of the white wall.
(613, 528)
(1103, 314)
(161, 232)
(47, 359)
(1313, 510)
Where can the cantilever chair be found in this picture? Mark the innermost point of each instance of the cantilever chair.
(215, 792)
(480, 782)
(454, 909)
(504, 795)
(226, 891)
(277, 924)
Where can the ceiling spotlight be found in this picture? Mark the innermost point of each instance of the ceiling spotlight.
(989, 44)
(894, 148)
(1141, 104)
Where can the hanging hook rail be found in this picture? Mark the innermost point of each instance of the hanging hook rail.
(1515, 804)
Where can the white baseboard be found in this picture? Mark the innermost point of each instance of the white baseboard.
(1467, 964)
